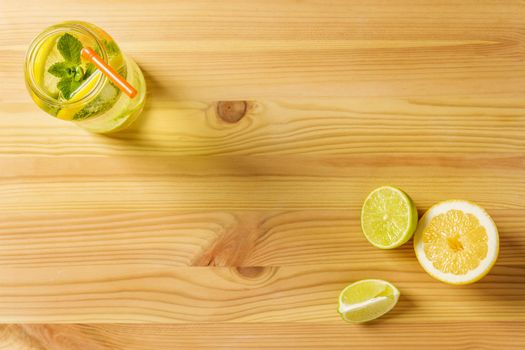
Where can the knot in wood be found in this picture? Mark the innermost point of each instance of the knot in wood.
(231, 111)
(250, 271)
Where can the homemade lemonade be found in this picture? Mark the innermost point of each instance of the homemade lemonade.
(66, 84)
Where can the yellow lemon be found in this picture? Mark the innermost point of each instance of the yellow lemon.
(456, 242)
(46, 55)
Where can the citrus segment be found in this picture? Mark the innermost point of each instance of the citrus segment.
(366, 300)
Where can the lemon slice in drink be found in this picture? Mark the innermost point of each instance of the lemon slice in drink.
(366, 300)
(83, 90)
(47, 54)
(456, 242)
(388, 217)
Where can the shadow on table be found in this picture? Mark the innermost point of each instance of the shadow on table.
(170, 125)
(404, 305)
(154, 90)
(505, 283)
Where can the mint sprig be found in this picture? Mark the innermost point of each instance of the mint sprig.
(70, 71)
(70, 47)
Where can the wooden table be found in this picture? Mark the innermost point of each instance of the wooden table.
(228, 217)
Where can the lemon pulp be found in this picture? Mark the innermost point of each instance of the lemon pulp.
(456, 242)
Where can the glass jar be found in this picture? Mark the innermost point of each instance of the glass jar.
(70, 88)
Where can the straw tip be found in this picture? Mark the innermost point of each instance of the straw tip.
(86, 52)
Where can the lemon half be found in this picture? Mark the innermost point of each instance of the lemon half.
(456, 242)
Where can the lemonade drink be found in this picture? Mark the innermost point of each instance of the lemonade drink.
(69, 87)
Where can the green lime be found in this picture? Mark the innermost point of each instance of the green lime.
(367, 300)
(388, 217)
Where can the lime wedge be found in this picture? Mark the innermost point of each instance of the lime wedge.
(388, 217)
(367, 300)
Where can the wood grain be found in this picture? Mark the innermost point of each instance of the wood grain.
(210, 238)
(228, 216)
(460, 336)
(323, 126)
(262, 49)
(139, 293)
(153, 183)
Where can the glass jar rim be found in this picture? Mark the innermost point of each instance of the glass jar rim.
(35, 46)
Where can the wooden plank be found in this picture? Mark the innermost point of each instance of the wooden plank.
(267, 49)
(210, 238)
(322, 126)
(459, 336)
(243, 233)
(162, 183)
(134, 293)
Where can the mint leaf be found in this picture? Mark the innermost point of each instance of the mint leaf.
(70, 71)
(67, 86)
(112, 47)
(62, 70)
(90, 69)
(70, 47)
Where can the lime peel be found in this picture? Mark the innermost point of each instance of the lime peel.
(373, 298)
(388, 217)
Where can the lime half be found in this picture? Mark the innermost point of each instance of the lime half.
(366, 300)
(388, 217)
